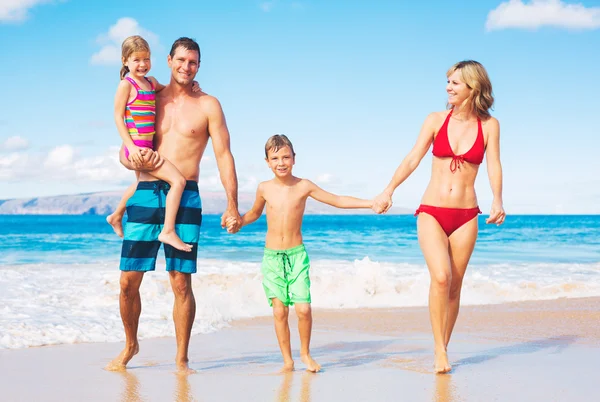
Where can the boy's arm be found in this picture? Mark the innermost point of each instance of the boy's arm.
(338, 201)
(256, 211)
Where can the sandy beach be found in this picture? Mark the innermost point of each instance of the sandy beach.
(528, 351)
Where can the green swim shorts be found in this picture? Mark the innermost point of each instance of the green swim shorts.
(285, 275)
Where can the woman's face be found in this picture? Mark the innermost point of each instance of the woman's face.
(457, 90)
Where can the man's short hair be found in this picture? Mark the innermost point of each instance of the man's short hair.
(276, 142)
(187, 44)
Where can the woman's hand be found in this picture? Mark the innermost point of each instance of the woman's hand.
(497, 214)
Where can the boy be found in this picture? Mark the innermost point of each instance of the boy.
(285, 263)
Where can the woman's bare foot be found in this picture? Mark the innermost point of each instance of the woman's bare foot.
(120, 362)
(288, 367)
(184, 369)
(311, 365)
(441, 364)
(116, 221)
(172, 239)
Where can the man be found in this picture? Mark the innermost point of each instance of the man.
(184, 122)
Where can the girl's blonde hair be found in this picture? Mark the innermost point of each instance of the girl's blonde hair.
(131, 45)
(476, 78)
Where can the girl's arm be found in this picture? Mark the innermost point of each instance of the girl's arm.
(256, 211)
(410, 162)
(338, 201)
(121, 98)
(494, 168)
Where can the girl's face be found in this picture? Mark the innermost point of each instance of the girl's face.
(139, 64)
(457, 90)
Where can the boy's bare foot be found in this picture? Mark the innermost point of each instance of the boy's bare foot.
(184, 369)
(120, 362)
(288, 367)
(311, 365)
(172, 239)
(116, 221)
(441, 364)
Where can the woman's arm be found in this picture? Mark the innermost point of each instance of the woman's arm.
(494, 168)
(410, 161)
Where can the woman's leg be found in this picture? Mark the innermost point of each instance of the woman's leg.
(434, 245)
(462, 243)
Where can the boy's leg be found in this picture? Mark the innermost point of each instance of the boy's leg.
(282, 330)
(304, 313)
(116, 218)
(169, 173)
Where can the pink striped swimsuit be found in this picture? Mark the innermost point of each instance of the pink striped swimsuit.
(140, 114)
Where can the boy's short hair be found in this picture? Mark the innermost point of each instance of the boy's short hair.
(276, 142)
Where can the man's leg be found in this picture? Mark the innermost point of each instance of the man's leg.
(130, 305)
(304, 313)
(184, 312)
(282, 330)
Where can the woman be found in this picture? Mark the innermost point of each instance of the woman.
(447, 217)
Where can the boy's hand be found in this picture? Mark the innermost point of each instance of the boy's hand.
(382, 203)
(196, 86)
(230, 223)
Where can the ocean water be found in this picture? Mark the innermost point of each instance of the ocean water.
(59, 278)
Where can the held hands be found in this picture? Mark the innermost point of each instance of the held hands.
(135, 155)
(382, 203)
(497, 214)
(231, 220)
(151, 160)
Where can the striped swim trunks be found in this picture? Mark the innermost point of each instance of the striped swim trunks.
(145, 218)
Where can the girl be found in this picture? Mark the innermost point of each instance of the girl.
(447, 217)
(134, 116)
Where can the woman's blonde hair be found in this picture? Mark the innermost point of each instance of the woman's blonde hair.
(131, 45)
(476, 78)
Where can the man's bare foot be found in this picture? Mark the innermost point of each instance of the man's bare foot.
(172, 239)
(120, 362)
(116, 221)
(184, 369)
(311, 365)
(441, 364)
(288, 367)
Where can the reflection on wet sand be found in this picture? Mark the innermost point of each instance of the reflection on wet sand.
(131, 387)
(444, 390)
(183, 390)
(284, 392)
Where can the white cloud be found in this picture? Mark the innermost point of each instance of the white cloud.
(110, 53)
(15, 143)
(17, 10)
(267, 6)
(538, 13)
(60, 157)
(324, 178)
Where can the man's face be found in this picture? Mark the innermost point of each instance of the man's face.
(184, 65)
(281, 162)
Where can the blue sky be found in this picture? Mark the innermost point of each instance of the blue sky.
(350, 82)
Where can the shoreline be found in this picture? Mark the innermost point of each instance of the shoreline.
(540, 350)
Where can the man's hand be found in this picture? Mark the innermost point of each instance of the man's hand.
(232, 216)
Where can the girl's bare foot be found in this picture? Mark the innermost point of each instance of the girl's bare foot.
(120, 362)
(172, 239)
(116, 221)
(311, 365)
(441, 364)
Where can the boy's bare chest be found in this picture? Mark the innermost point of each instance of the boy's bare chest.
(285, 200)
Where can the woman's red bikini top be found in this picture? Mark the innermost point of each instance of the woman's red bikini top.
(442, 148)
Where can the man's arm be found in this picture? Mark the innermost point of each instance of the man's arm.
(338, 201)
(219, 134)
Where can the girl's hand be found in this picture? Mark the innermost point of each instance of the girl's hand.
(196, 86)
(135, 155)
(497, 214)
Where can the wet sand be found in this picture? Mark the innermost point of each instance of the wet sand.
(530, 351)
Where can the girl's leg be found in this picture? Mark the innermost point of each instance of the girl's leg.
(116, 218)
(462, 243)
(434, 245)
(169, 173)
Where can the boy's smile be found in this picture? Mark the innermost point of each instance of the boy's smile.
(281, 161)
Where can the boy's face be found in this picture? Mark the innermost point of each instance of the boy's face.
(281, 162)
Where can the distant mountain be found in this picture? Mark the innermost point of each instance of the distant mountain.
(103, 203)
